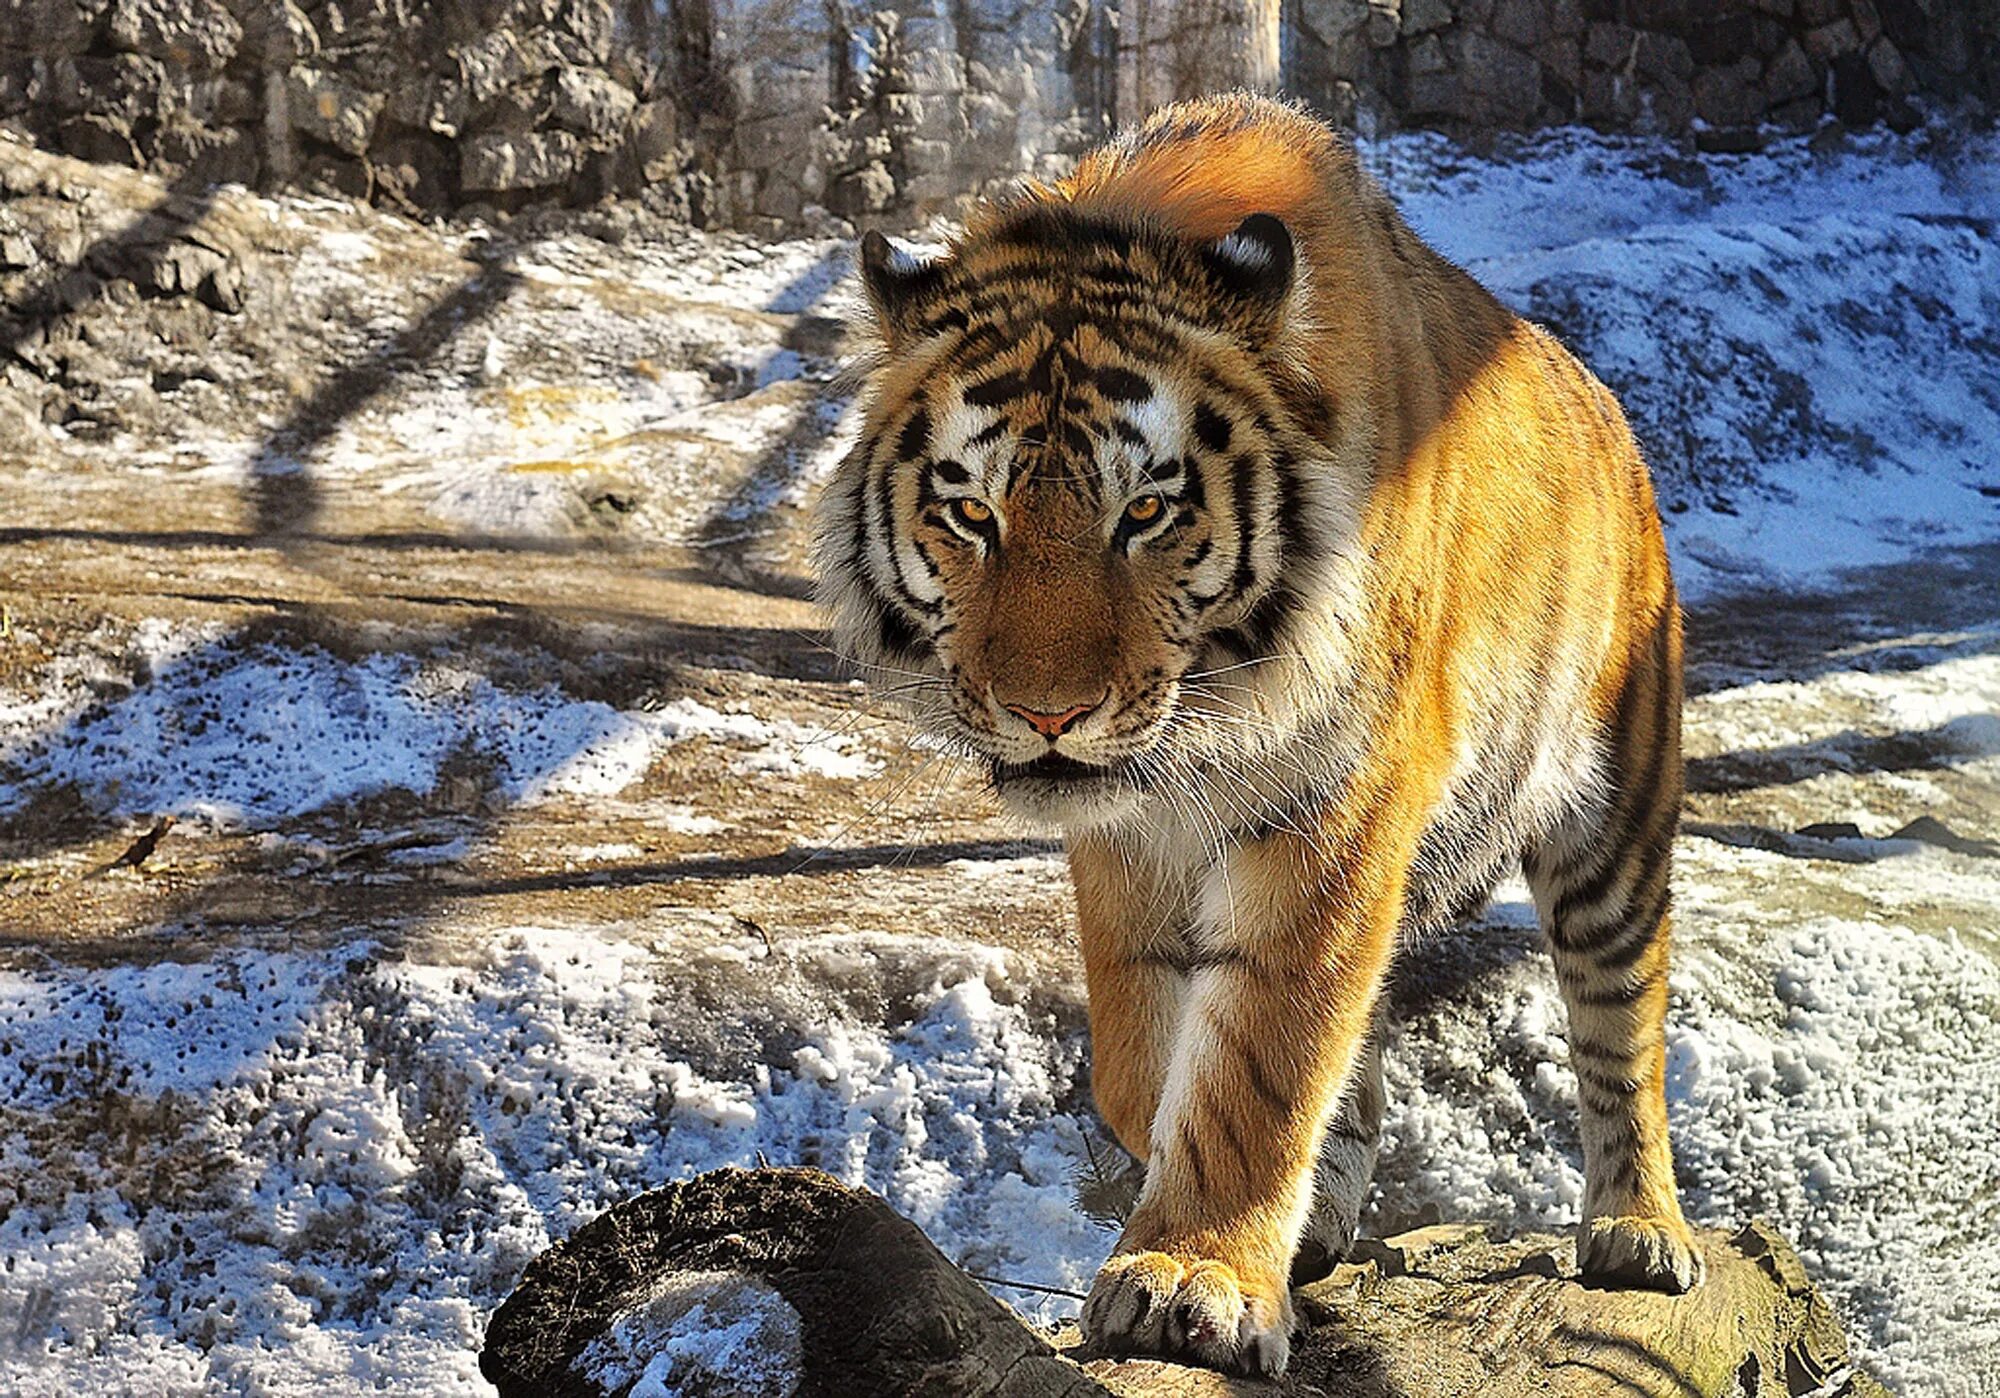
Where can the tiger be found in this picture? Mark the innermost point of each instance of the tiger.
(1307, 591)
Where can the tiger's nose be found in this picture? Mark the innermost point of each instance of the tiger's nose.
(1053, 725)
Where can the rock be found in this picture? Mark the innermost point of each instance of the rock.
(833, 1293)
(591, 105)
(869, 190)
(1729, 96)
(48, 27)
(1832, 830)
(328, 108)
(1422, 16)
(17, 250)
(207, 155)
(413, 172)
(1659, 56)
(1500, 83)
(1857, 100)
(279, 33)
(1790, 74)
(1829, 41)
(1932, 831)
(1520, 22)
(655, 138)
(499, 161)
(193, 35)
(337, 175)
(1886, 65)
(103, 138)
(1610, 45)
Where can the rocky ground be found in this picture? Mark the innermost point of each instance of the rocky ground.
(445, 586)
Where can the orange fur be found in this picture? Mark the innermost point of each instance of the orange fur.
(1472, 658)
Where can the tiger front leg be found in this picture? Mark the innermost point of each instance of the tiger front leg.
(1288, 960)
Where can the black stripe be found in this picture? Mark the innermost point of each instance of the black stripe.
(899, 638)
(1637, 932)
(915, 438)
(1061, 230)
(1259, 632)
(1127, 432)
(1194, 487)
(1625, 1176)
(1193, 1151)
(951, 472)
(1211, 427)
(1260, 1082)
(885, 496)
(1614, 1085)
(1582, 1046)
(1121, 385)
(989, 433)
(1627, 992)
(1243, 487)
(1228, 1130)
(991, 393)
(1297, 545)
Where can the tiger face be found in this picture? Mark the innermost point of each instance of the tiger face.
(1072, 501)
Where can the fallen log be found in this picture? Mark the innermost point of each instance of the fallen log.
(764, 1283)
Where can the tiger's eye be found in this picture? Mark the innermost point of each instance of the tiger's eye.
(973, 511)
(1145, 509)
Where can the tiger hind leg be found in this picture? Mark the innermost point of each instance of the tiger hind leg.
(1345, 1168)
(1601, 886)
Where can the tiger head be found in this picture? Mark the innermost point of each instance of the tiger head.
(1088, 500)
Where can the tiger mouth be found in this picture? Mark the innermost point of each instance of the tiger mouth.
(1058, 770)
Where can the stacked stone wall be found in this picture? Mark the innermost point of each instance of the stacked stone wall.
(776, 114)
(1729, 72)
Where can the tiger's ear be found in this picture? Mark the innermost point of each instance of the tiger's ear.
(897, 283)
(1255, 262)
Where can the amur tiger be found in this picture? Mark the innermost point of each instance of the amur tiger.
(1307, 590)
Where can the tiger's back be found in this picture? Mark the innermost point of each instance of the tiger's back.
(1306, 588)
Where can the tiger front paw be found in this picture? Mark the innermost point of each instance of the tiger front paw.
(1153, 1303)
(1628, 1250)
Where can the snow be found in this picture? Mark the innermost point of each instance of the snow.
(325, 730)
(1803, 342)
(1835, 1076)
(353, 1155)
(719, 1334)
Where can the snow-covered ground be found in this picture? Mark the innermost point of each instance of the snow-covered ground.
(276, 1155)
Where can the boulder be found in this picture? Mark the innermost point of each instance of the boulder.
(197, 36)
(499, 161)
(784, 1281)
(592, 105)
(326, 107)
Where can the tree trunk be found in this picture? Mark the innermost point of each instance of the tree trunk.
(1172, 49)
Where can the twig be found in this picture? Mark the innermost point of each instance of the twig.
(751, 924)
(1028, 1286)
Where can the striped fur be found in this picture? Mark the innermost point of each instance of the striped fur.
(1307, 589)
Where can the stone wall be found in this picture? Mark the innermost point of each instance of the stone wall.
(1730, 71)
(774, 114)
